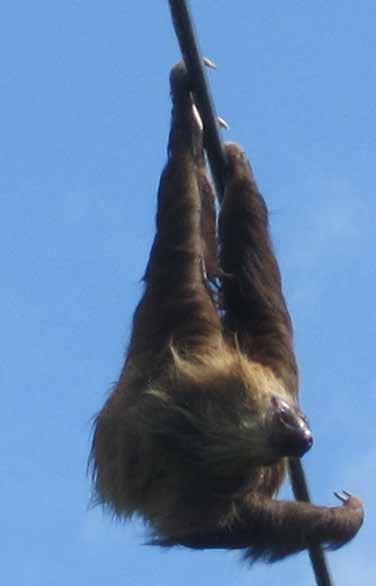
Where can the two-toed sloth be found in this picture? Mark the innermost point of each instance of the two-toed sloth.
(195, 435)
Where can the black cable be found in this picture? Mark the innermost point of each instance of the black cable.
(187, 38)
(301, 493)
(186, 34)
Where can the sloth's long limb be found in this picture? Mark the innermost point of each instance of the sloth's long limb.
(271, 529)
(251, 286)
(176, 306)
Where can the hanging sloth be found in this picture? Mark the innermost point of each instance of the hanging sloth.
(196, 434)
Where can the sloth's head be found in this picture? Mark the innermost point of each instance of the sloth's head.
(278, 428)
(241, 407)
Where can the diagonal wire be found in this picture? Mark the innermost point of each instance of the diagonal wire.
(185, 32)
(301, 493)
(187, 38)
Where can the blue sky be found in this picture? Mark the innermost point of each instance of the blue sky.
(84, 123)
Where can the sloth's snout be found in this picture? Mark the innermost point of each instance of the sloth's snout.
(290, 433)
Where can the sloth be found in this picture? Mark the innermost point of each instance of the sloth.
(195, 436)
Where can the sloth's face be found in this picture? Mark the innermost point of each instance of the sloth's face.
(274, 428)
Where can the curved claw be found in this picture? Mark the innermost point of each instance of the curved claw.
(209, 63)
(197, 117)
(344, 497)
(222, 123)
(339, 497)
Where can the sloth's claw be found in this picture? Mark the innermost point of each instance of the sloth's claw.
(209, 63)
(222, 123)
(344, 496)
(341, 497)
(197, 117)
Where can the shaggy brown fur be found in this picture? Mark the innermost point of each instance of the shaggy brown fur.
(195, 434)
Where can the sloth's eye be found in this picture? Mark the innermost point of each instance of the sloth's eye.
(280, 405)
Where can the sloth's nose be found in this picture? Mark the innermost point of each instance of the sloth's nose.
(291, 432)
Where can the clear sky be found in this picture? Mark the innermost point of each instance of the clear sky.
(84, 122)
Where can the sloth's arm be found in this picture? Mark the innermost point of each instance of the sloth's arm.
(272, 529)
